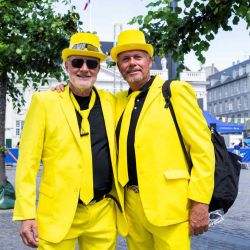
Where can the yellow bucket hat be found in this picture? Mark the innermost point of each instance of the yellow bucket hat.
(131, 40)
(84, 44)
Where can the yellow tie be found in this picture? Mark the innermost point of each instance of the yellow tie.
(87, 189)
(122, 159)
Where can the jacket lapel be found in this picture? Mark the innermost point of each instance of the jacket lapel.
(70, 114)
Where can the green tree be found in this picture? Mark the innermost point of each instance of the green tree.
(177, 31)
(32, 36)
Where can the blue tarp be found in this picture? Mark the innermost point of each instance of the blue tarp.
(11, 155)
(247, 142)
(222, 127)
(244, 153)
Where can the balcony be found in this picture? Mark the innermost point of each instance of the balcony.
(193, 76)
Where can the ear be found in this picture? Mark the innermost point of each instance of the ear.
(66, 65)
(99, 67)
(150, 62)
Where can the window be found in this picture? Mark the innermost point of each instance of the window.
(19, 127)
(209, 96)
(237, 87)
(238, 104)
(220, 107)
(226, 91)
(220, 93)
(214, 108)
(233, 89)
(245, 102)
(226, 106)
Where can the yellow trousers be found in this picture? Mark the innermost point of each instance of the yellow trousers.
(94, 227)
(144, 236)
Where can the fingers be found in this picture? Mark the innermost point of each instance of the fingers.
(28, 233)
(59, 88)
(199, 218)
(196, 229)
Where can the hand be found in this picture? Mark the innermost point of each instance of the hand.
(59, 87)
(28, 233)
(198, 218)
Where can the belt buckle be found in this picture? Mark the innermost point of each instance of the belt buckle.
(134, 188)
(92, 202)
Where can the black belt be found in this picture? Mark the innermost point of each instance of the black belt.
(100, 196)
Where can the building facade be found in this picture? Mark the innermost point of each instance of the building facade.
(228, 93)
(108, 79)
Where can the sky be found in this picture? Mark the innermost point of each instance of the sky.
(103, 16)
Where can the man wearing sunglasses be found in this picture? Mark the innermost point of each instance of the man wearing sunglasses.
(73, 133)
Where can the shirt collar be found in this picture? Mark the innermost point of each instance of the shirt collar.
(145, 87)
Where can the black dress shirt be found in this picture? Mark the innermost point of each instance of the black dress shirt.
(102, 168)
(131, 158)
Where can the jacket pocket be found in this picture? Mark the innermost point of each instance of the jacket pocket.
(176, 174)
(46, 190)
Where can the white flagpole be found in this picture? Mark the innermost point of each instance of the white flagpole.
(90, 16)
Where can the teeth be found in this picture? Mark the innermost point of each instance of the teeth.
(82, 76)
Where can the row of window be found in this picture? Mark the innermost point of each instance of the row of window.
(238, 87)
(229, 105)
(19, 127)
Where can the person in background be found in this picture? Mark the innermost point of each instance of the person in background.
(73, 133)
(165, 204)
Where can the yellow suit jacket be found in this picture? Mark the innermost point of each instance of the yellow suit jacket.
(51, 134)
(165, 184)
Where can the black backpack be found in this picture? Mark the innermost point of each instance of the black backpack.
(227, 164)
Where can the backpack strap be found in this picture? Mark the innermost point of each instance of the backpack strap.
(167, 95)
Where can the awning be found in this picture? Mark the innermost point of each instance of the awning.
(222, 127)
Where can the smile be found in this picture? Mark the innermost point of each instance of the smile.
(133, 71)
(83, 76)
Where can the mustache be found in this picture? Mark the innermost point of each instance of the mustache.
(132, 69)
(83, 74)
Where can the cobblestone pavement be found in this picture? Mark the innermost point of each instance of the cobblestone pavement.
(232, 234)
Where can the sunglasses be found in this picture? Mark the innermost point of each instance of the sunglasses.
(78, 63)
(85, 46)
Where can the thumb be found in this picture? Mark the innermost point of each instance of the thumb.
(35, 233)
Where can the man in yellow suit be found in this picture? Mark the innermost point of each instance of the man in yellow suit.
(164, 203)
(73, 133)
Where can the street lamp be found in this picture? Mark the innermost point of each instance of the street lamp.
(172, 65)
(117, 30)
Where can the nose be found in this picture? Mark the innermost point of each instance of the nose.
(84, 66)
(132, 61)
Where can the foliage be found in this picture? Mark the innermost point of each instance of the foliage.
(110, 63)
(32, 36)
(179, 30)
(3, 149)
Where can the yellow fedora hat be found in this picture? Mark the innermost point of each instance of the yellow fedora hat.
(84, 44)
(131, 40)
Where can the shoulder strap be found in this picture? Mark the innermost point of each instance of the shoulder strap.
(167, 95)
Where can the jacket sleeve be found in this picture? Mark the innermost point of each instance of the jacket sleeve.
(197, 137)
(30, 152)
